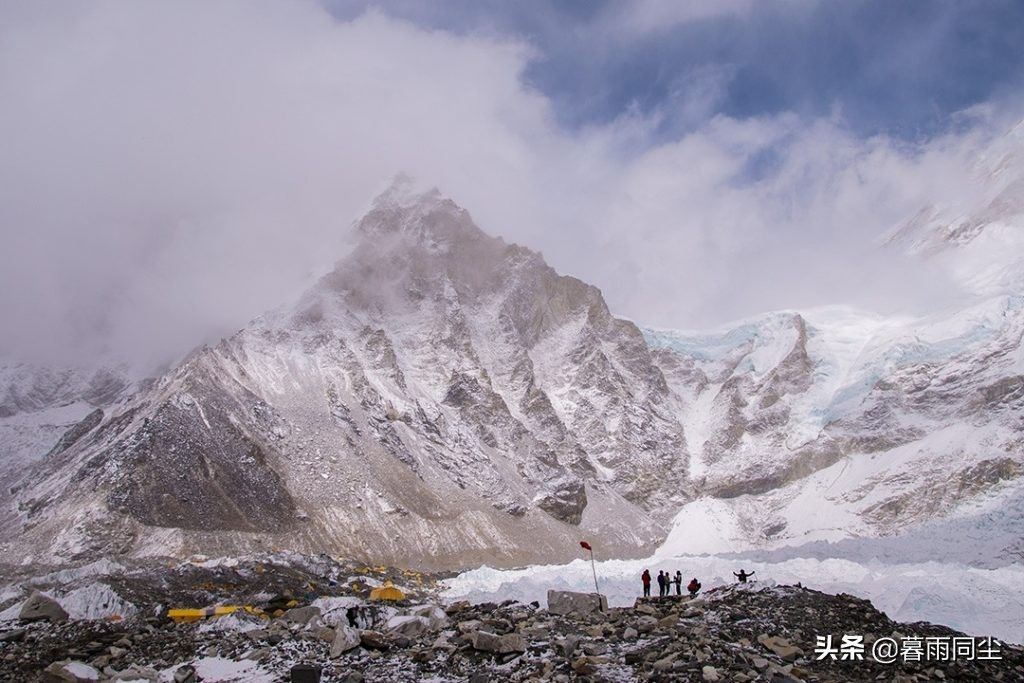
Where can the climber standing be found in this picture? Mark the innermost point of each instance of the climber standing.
(679, 582)
(646, 579)
(743, 576)
(661, 583)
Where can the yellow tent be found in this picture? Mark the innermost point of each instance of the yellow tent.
(185, 615)
(387, 592)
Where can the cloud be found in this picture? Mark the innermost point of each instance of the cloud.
(170, 170)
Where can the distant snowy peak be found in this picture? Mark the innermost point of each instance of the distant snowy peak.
(978, 237)
(835, 423)
(26, 388)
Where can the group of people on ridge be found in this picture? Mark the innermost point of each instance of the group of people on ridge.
(665, 581)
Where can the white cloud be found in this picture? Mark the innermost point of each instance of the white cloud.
(172, 169)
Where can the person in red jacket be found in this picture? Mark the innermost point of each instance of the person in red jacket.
(646, 578)
(693, 586)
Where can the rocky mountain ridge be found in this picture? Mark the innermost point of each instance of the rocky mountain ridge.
(444, 399)
(440, 398)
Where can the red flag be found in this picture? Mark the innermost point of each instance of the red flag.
(585, 545)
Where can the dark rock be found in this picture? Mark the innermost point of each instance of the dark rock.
(14, 635)
(374, 640)
(567, 502)
(40, 607)
(498, 644)
(305, 673)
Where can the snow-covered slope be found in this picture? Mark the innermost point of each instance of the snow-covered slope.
(977, 236)
(39, 404)
(833, 424)
(441, 399)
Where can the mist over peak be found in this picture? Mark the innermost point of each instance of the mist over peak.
(171, 201)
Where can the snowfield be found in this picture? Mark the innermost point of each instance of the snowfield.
(976, 601)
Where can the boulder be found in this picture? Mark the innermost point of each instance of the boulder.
(665, 663)
(408, 625)
(185, 674)
(668, 622)
(137, 673)
(345, 639)
(435, 615)
(584, 666)
(373, 640)
(70, 672)
(646, 624)
(781, 647)
(710, 673)
(501, 645)
(567, 646)
(443, 643)
(38, 607)
(12, 636)
(302, 615)
(570, 602)
(468, 626)
(258, 654)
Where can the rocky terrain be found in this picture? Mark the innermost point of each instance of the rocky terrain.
(312, 613)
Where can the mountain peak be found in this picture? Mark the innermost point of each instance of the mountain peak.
(404, 191)
(433, 220)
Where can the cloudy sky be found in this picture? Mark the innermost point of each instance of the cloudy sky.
(170, 169)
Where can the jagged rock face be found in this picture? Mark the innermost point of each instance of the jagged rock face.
(440, 398)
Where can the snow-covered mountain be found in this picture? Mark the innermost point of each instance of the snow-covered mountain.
(38, 404)
(834, 423)
(441, 398)
(445, 399)
(977, 236)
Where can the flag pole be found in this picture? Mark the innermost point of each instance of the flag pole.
(593, 568)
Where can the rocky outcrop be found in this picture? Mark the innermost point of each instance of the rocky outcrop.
(569, 602)
(566, 502)
(41, 607)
